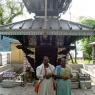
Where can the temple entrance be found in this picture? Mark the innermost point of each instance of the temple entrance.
(49, 51)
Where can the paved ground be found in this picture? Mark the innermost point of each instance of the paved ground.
(28, 90)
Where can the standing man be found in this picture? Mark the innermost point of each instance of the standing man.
(45, 73)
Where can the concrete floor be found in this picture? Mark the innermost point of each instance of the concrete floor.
(28, 90)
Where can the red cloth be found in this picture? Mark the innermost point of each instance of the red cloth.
(36, 88)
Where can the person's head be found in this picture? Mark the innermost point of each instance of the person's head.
(45, 60)
(63, 61)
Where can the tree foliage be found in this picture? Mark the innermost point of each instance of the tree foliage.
(87, 21)
(9, 9)
(87, 50)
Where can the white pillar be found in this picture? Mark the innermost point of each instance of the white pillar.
(0, 59)
(93, 54)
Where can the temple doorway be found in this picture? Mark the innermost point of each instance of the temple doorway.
(49, 51)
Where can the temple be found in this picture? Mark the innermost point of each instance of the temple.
(47, 33)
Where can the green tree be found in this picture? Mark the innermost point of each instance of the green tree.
(9, 9)
(87, 40)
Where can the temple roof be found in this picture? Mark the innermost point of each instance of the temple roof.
(54, 7)
(54, 27)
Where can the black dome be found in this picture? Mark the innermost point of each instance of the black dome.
(54, 6)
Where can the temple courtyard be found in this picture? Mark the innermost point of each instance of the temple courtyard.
(28, 90)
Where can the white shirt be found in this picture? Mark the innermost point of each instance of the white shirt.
(40, 71)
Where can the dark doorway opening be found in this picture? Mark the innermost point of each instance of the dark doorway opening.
(49, 51)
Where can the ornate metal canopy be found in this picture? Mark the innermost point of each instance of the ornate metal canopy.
(54, 27)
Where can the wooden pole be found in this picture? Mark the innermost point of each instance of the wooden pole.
(45, 25)
(75, 53)
(71, 58)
